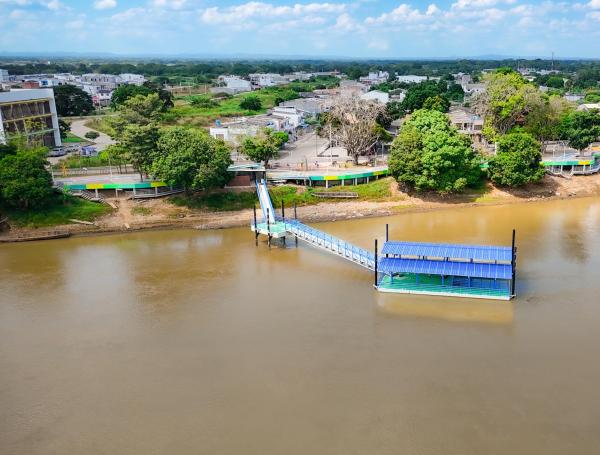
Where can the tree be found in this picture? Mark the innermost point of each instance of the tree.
(72, 101)
(518, 161)
(503, 102)
(127, 91)
(417, 94)
(263, 147)
(351, 122)
(24, 180)
(545, 115)
(555, 82)
(581, 128)
(141, 142)
(64, 128)
(191, 159)
(429, 154)
(139, 110)
(437, 103)
(251, 103)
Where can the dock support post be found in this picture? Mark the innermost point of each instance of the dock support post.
(375, 277)
(295, 217)
(268, 228)
(513, 264)
(255, 227)
(387, 234)
(282, 211)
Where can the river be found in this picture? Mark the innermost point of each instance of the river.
(200, 342)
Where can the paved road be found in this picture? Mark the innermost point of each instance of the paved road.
(101, 142)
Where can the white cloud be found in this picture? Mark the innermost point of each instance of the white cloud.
(594, 4)
(405, 14)
(171, 4)
(105, 4)
(258, 10)
(473, 4)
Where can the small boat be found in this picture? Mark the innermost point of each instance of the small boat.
(32, 236)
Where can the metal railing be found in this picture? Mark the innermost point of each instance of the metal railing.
(332, 244)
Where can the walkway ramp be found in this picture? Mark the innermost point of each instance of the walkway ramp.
(331, 244)
(276, 226)
(264, 199)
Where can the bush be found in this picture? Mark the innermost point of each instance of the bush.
(91, 135)
(203, 102)
(251, 103)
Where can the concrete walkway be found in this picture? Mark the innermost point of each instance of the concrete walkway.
(78, 128)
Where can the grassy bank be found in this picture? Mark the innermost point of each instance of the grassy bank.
(59, 210)
(290, 195)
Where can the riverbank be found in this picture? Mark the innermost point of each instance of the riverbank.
(155, 214)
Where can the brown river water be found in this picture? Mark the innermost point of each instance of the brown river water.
(199, 342)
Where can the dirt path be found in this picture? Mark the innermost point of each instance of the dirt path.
(78, 128)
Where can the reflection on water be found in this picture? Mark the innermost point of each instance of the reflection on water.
(201, 342)
(449, 309)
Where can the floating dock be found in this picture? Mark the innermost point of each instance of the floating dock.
(472, 271)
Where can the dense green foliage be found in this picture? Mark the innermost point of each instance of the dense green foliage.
(518, 161)
(127, 91)
(251, 103)
(72, 101)
(64, 128)
(429, 154)
(56, 210)
(581, 128)
(91, 135)
(437, 103)
(264, 146)
(24, 180)
(191, 159)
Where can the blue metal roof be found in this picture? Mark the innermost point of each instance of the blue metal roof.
(428, 267)
(440, 250)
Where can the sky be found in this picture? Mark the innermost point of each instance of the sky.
(359, 29)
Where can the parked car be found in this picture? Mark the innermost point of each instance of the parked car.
(57, 151)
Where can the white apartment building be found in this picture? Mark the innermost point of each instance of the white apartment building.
(413, 79)
(3, 75)
(267, 79)
(294, 117)
(29, 113)
(101, 81)
(375, 77)
(133, 79)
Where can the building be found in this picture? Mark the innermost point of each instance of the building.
(474, 89)
(101, 81)
(3, 75)
(413, 79)
(588, 107)
(375, 77)
(232, 85)
(467, 123)
(29, 113)
(309, 106)
(574, 97)
(133, 79)
(294, 116)
(267, 79)
(235, 130)
(102, 98)
(376, 95)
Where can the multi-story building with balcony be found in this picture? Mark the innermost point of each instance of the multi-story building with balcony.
(30, 114)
